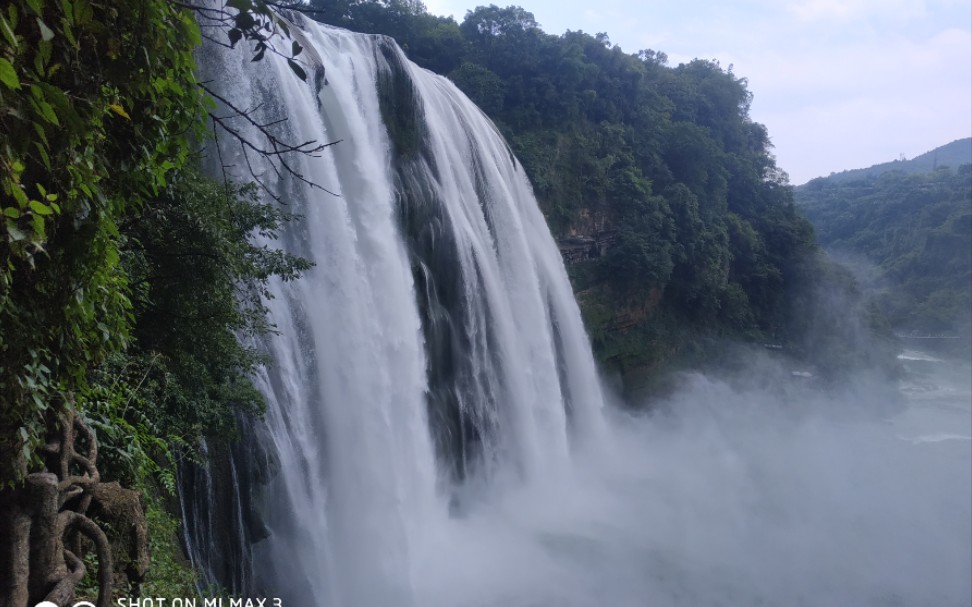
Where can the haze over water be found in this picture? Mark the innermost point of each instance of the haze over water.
(739, 495)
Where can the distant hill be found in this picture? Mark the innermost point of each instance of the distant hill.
(953, 154)
(908, 226)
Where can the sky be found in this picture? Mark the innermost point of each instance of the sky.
(840, 84)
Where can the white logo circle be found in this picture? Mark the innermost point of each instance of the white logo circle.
(46, 604)
(83, 604)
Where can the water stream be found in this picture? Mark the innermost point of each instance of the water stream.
(436, 433)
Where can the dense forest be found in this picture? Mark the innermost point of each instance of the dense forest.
(909, 233)
(677, 223)
(127, 277)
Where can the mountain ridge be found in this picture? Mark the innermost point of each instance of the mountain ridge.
(953, 154)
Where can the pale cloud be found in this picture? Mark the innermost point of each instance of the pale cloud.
(593, 16)
(864, 97)
(819, 10)
(436, 7)
(825, 149)
(847, 10)
(457, 9)
(894, 64)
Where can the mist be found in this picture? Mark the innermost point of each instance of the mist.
(754, 489)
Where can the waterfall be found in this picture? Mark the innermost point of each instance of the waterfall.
(434, 351)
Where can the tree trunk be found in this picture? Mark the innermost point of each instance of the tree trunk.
(45, 518)
(14, 555)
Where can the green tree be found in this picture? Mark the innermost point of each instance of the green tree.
(97, 105)
(99, 109)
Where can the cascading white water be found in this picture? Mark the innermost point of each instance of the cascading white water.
(435, 345)
(432, 401)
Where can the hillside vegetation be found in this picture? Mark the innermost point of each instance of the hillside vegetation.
(954, 155)
(910, 233)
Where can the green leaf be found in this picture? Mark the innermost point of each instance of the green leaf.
(295, 48)
(68, 10)
(8, 75)
(83, 13)
(46, 111)
(297, 69)
(263, 9)
(234, 36)
(43, 153)
(66, 28)
(41, 134)
(46, 33)
(62, 105)
(8, 33)
(40, 208)
(19, 196)
(40, 231)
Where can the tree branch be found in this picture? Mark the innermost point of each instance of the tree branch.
(275, 149)
(69, 520)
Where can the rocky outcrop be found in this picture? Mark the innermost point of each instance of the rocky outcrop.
(579, 248)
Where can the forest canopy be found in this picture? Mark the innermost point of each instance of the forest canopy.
(910, 236)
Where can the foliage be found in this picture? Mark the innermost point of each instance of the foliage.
(134, 449)
(97, 105)
(108, 238)
(199, 287)
(170, 575)
(914, 234)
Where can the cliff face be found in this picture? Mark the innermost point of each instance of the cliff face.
(613, 318)
(584, 246)
(222, 502)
